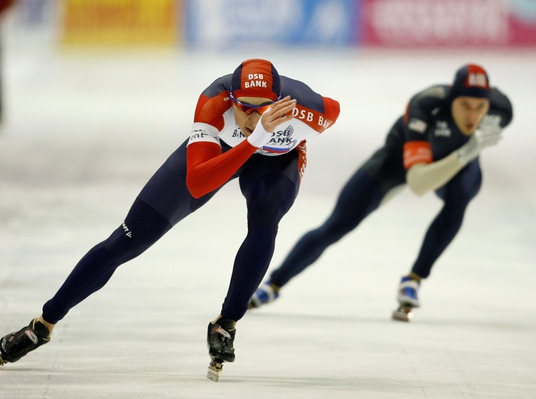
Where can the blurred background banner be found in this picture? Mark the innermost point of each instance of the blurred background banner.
(225, 23)
(448, 23)
(120, 22)
(522, 22)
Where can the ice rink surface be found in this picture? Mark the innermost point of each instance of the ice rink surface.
(81, 134)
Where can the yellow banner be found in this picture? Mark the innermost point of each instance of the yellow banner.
(120, 22)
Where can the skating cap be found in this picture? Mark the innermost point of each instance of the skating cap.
(471, 80)
(256, 78)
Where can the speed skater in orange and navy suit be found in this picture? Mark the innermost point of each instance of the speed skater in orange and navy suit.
(250, 125)
(434, 146)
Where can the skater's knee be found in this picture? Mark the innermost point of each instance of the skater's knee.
(126, 243)
(336, 227)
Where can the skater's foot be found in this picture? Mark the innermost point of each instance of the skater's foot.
(266, 293)
(16, 345)
(220, 339)
(408, 292)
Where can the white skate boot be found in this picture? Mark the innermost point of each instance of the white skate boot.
(407, 298)
(266, 293)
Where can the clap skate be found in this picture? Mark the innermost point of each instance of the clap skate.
(407, 299)
(403, 313)
(266, 293)
(17, 344)
(220, 339)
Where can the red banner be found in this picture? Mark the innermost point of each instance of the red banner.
(443, 23)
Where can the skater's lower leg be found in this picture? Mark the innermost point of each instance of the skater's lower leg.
(249, 268)
(250, 265)
(456, 196)
(96, 268)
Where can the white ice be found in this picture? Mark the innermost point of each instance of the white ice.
(83, 131)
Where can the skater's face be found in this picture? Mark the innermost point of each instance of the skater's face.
(467, 113)
(248, 111)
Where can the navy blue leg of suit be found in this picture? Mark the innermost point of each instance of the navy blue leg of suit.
(456, 196)
(270, 189)
(361, 195)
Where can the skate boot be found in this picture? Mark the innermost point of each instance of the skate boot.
(266, 293)
(15, 345)
(220, 339)
(407, 298)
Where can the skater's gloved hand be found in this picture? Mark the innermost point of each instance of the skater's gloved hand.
(488, 134)
(280, 112)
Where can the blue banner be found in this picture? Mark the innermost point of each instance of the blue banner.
(224, 23)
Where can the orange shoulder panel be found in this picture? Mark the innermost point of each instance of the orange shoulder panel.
(210, 110)
(417, 152)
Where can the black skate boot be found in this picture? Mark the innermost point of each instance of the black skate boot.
(15, 345)
(220, 339)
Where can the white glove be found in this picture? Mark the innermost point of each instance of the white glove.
(259, 136)
(486, 136)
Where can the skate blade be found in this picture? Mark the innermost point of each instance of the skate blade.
(214, 370)
(403, 313)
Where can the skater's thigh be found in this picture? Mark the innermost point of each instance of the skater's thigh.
(166, 192)
(386, 167)
(142, 227)
(270, 186)
(369, 185)
(463, 187)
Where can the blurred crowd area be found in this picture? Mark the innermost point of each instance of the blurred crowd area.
(203, 24)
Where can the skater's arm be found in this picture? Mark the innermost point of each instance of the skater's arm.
(423, 174)
(423, 177)
(209, 169)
